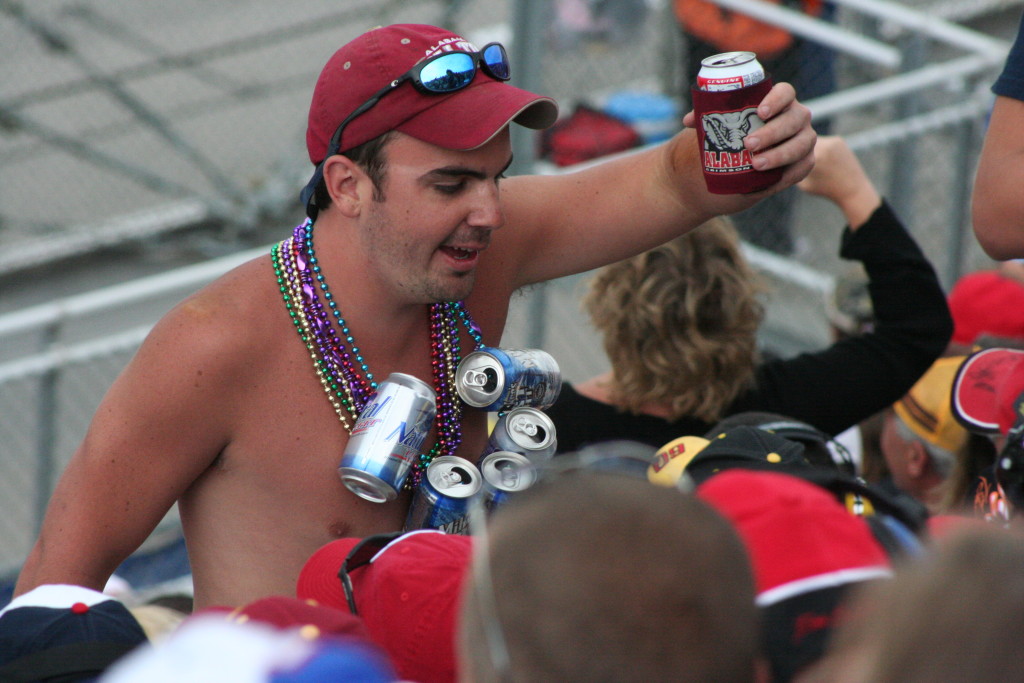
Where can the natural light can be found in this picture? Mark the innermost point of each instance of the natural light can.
(729, 71)
(387, 438)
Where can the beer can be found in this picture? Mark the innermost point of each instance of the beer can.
(387, 437)
(524, 430)
(500, 379)
(442, 498)
(504, 474)
(729, 71)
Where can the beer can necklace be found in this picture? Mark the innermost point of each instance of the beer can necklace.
(343, 373)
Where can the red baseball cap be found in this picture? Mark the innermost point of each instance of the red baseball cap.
(986, 388)
(986, 303)
(464, 119)
(408, 595)
(807, 551)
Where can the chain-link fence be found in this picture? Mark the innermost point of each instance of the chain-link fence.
(158, 125)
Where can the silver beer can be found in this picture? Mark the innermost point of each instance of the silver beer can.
(500, 379)
(729, 71)
(442, 498)
(504, 474)
(387, 437)
(528, 431)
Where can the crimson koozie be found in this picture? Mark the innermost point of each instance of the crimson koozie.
(723, 120)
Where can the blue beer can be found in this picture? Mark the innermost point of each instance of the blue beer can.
(387, 437)
(500, 379)
(504, 474)
(524, 430)
(442, 498)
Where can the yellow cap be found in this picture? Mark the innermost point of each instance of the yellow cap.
(672, 458)
(928, 407)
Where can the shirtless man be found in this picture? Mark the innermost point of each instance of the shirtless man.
(222, 409)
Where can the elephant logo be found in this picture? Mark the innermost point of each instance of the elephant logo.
(724, 132)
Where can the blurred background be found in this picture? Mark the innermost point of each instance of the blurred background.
(146, 148)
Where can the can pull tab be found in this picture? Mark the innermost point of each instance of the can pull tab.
(509, 474)
(487, 379)
(527, 427)
(456, 476)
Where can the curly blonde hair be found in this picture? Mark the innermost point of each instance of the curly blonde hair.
(680, 323)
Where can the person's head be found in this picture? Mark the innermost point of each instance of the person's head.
(808, 552)
(404, 587)
(987, 305)
(955, 616)
(58, 632)
(921, 439)
(820, 449)
(595, 576)
(679, 323)
(418, 80)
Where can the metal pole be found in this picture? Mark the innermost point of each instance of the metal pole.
(960, 200)
(902, 170)
(528, 24)
(46, 425)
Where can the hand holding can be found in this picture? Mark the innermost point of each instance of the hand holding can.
(729, 88)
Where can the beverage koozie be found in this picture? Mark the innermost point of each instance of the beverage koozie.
(724, 119)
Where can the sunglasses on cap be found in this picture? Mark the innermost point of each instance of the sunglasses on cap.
(361, 555)
(441, 74)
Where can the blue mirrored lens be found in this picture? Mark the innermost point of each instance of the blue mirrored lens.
(448, 72)
(497, 61)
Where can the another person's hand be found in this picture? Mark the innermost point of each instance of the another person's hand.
(839, 177)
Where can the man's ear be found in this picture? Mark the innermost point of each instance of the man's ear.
(349, 186)
(917, 459)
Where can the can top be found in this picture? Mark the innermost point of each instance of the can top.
(480, 379)
(726, 59)
(412, 382)
(508, 471)
(530, 428)
(453, 476)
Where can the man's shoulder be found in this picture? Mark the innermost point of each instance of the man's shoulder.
(239, 307)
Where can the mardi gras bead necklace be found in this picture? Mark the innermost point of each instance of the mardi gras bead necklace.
(340, 366)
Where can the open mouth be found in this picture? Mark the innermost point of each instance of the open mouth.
(460, 254)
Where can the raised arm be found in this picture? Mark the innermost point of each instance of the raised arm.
(570, 223)
(155, 431)
(867, 372)
(839, 177)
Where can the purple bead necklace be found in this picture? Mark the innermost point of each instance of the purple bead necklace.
(341, 368)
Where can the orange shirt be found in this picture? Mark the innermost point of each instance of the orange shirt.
(731, 31)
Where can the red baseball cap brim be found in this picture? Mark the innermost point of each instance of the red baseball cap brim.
(986, 389)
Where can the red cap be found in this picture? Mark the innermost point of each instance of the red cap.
(409, 597)
(461, 120)
(986, 303)
(800, 538)
(986, 389)
(286, 612)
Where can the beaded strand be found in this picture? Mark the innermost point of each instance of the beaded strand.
(340, 367)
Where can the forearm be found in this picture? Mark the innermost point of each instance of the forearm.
(907, 298)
